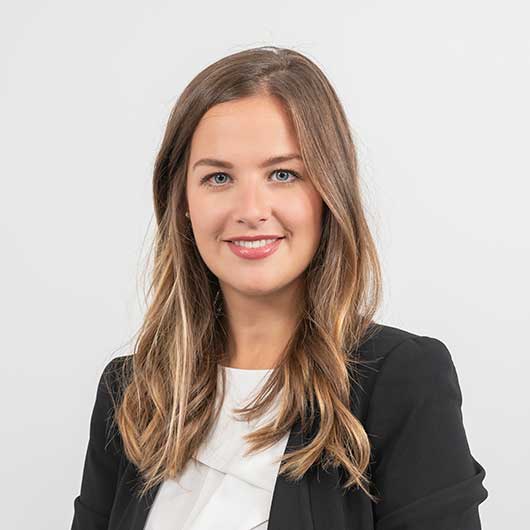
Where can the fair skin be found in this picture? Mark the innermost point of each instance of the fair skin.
(261, 297)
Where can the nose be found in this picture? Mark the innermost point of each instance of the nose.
(252, 204)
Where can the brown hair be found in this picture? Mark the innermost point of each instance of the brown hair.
(166, 406)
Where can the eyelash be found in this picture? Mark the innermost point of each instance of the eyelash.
(208, 177)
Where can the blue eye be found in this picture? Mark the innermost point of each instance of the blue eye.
(207, 178)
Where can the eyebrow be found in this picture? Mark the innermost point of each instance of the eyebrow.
(227, 165)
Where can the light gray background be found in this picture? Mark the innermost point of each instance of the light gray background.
(437, 94)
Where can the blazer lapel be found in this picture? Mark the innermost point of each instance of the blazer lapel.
(291, 507)
(314, 502)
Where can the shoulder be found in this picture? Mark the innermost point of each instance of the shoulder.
(104, 456)
(113, 375)
(382, 340)
(394, 349)
(421, 463)
(398, 364)
(109, 389)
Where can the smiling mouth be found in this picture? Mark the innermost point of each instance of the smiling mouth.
(255, 252)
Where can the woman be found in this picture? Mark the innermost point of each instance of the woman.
(265, 284)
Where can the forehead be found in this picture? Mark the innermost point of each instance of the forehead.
(251, 128)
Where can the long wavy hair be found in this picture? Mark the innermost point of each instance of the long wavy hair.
(169, 387)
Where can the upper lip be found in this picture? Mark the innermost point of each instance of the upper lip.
(253, 238)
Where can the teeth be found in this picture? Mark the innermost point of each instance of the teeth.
(253, 244)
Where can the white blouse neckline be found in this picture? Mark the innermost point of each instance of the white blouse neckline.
(227, 489)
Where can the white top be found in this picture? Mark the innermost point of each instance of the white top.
(222, 489)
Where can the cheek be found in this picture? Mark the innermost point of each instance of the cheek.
(206, 228)
(305, 215)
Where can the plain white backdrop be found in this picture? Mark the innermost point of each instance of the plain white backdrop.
(437, 94)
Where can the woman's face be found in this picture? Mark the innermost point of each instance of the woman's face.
(240, 195)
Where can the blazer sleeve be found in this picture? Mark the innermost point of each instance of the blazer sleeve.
(93, 505)
(423, 470)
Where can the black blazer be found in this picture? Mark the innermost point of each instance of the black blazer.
(421, 466)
